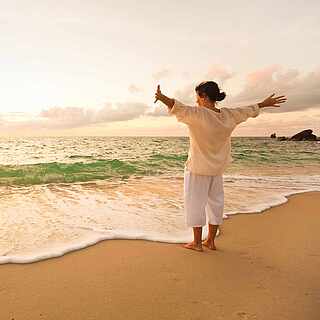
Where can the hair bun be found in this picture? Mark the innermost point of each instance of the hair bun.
(221, 96)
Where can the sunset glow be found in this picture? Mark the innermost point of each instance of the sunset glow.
(92, 68)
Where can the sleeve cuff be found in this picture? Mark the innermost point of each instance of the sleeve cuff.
(175, 107)
(256, 109)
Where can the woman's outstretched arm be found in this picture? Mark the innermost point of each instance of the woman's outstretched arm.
(241, 114)
(184, 113)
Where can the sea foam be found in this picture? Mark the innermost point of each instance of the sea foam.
(45, 221)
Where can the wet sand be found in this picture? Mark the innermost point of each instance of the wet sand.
(266, 267)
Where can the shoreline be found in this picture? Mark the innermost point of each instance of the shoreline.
(80, 245)
(266, 267)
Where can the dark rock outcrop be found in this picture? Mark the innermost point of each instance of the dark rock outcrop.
(304, 135)
(282, 138)
(273, 135)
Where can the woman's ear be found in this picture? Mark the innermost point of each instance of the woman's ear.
(205, 97)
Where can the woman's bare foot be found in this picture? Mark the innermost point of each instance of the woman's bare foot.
(192, 246)
(210, 244)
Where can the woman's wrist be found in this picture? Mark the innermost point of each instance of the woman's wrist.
(166, 100)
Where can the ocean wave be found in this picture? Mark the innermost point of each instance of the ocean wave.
(99, 169)
(44, 221)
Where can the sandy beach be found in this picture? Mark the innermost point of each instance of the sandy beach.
(266, 267)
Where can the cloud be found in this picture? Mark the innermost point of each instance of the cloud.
(65, 117)
(164, 73)
(159, 111)
(302, 89)
(187, 93)
(75, 117)
(72, 117)
(121, 112)
(218, 73)
(215, 72)
(134, 89)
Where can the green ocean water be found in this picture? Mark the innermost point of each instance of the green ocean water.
(31, 161)
(65, 193)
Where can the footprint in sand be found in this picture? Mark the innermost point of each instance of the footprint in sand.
(245, 315)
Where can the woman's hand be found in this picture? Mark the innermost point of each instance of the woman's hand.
(272, 102)
(166, 100)
(158, 94)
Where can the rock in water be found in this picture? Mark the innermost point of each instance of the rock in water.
(273, 135)
(304, 135)
(282, 138)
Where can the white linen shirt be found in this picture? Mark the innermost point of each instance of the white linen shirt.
(210, 134)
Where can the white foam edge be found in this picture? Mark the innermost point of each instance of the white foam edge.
(58, 252)
(138, 236)
(278, 200)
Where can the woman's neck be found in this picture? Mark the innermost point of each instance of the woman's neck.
(212, 107)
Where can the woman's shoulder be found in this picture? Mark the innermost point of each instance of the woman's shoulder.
(226, 111)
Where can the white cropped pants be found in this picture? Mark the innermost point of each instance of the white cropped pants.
(203, 197)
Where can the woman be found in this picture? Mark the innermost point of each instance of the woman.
(210, 131)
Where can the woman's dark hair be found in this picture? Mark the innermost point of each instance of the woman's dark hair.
(211, 89)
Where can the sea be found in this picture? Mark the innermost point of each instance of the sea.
(60, 194)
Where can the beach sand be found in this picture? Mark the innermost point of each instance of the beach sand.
(266, 267)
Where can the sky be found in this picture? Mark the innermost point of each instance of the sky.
(92, 67)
